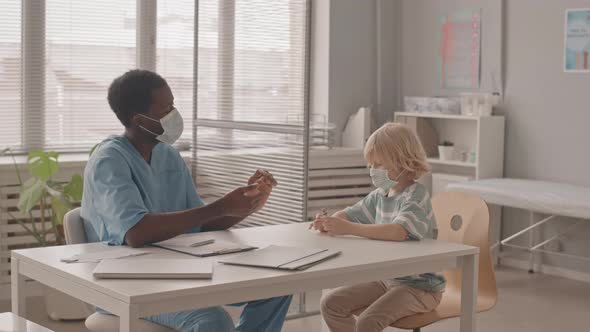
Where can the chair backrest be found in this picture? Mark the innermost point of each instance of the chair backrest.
(74, 228)
(465, 218)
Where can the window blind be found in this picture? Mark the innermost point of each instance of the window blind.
(10, 74)
(174, 57)
(251, 101)
(88, 44)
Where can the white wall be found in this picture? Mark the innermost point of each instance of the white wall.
(352, 65)
(522, 43)
(345, 53)
(547, 119)
(420, 43)
(545, 108)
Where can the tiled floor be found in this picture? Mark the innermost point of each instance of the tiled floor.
(528, 303)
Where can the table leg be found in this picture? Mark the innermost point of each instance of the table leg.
(17, 289)
(495, 232)
(324, 325)
(128, 321)
(469, 290)
(532, 239)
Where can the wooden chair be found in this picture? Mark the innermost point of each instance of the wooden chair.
(462, 218)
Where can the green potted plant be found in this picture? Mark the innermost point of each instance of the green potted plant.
(53, 199)
(446, 150)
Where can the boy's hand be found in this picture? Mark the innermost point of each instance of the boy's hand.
(333, 226)
(318, 224)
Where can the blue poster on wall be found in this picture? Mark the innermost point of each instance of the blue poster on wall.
(577, 40)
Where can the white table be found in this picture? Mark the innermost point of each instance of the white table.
(361, 261)
(11, 323)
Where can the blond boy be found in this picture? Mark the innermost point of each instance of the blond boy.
(398, 210)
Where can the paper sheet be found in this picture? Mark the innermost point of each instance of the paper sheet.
(217, 248)
(96, 257)
(186, 241)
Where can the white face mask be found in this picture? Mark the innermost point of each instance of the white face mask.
(380, 179)
(171, 123)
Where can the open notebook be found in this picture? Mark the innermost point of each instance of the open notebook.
(283, 258)
(127, 268)
(201, 246)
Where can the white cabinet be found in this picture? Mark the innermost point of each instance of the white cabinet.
(478, 141)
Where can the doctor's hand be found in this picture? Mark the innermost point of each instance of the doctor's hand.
(242, 202)
(265, 183)
(263, 176)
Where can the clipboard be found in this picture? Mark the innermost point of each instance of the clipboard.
(211, 248)
(283, 258)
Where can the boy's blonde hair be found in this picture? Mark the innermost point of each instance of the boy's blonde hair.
(396, 146)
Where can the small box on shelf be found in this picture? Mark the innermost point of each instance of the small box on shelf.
(437, 161)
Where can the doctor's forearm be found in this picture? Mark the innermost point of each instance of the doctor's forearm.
(156, 227)
(222, 223)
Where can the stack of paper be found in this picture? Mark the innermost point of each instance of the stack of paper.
(197, 245)
(153, 269)
(108, 253)
(283, 258)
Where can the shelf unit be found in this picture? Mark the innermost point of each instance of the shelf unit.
(436, 161)
(438, 116)
(483, 135)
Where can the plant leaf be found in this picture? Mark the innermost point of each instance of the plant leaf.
(75, 188)
(3, 152)
(31, 193)
(60, 207)
(52, 191)
(28, 183)
(43, 165)
(35, 234)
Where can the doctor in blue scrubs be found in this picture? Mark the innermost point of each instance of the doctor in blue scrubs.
(138, 190)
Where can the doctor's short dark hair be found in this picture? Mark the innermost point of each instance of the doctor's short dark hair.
(131, 93)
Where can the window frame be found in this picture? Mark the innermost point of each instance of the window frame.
(33, 55)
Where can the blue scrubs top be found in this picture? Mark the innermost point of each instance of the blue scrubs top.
(120, 187)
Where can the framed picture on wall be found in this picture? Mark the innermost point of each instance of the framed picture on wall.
(459, 56)
(577, 41)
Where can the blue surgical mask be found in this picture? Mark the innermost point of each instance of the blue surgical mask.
(380, 179)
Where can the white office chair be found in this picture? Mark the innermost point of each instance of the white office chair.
(97, 322)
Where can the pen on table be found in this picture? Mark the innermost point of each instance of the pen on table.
(203, 243)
